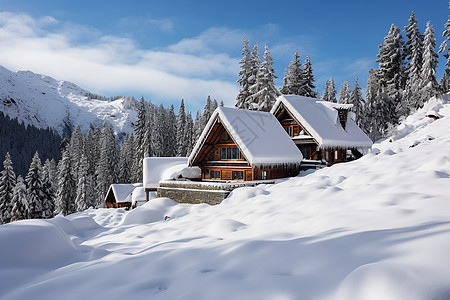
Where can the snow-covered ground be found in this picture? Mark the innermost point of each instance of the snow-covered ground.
(375, 228)
(45, 102)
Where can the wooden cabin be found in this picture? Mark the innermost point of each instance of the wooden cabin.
(243, 145)
(323, 131)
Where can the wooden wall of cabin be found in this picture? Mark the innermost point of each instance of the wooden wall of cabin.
(226, 174)
(333, 156)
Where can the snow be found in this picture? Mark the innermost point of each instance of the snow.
(320, 119)
(259, 135)
(159, 168)
(374, 228)
(45, 102)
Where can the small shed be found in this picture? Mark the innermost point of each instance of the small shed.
(120, 195)
(156, 169)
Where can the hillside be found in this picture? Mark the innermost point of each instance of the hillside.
(375, 228)
(45, 102)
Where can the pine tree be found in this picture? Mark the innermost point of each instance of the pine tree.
(84, 196)
(189, 134)
(181, 131)
(48, 203)
(390, 59)
(414, 52)
(141, 133)
(429, 84)
(293, 81)
(255, 64)
(7, 184)
(370, 124)
(330, 91)
(158, 131)
(169, 132)
(107, 168)
(35, 189)
(76, 147)
(65, 202)
(20, 203)
(308, 78)
(358, 102)
(344, 92)
(244, 74)
(126, 160)
(197, 131)
(264, 90)
(445, 81)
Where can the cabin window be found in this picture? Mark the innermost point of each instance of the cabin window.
(327, 155)
(237, 175)
(230, 153)
(335, 154)
(263, 175)
(213, 174)
(289, 130)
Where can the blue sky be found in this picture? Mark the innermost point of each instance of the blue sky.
(168, 50)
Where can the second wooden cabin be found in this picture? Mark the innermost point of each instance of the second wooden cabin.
(323, 131)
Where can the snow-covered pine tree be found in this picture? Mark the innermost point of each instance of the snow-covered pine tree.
(344, 93)
(20, 203)
(197, 130)
(65, 201)
(414, 53)
(182, 144)
(48, 203)
(35, 189)
(264, 90)
(308, 78)
(370, 124)
(85, 195)
(189, 134)
(255, 64)
(107, 167)
(293, 81)
(358, 102)
(126, 159)
(141, 132)
(92, 151)
(158, 132)
(244, 74)
(445, 81)
(76, 147)
(390, 60)
(330, 91)
(429, 84)
(7, 184)
(169, 132)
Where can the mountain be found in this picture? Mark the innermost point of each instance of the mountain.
(374, 228)
(46, 102)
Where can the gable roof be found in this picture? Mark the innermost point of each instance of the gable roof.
(320, 118)
(260, 137)
(122, 192)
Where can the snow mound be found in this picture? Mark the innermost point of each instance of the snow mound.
(226, 226)
(155, 210)
(35, 244)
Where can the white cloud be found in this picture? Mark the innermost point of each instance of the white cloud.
(116, 65)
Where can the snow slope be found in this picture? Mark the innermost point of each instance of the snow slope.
(45, 102)
(375, 228)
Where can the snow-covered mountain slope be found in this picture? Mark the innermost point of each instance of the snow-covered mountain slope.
(45, 102)
(375, 228)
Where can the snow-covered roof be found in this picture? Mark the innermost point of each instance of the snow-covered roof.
(259, 136)
(157, 168)
(138, 195)
(123, 192)
(320, 118)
